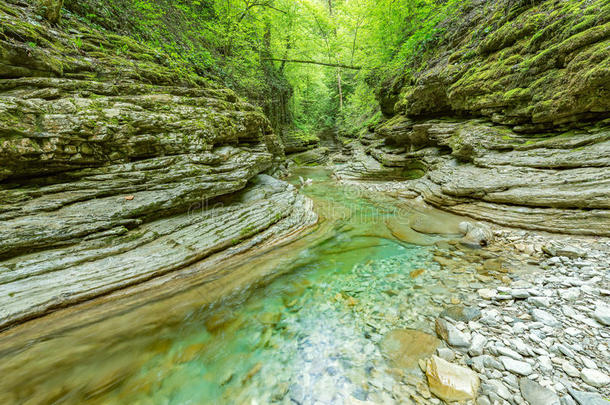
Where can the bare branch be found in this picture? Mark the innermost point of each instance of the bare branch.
(312, 62)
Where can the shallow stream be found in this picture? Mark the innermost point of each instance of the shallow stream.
(308, 333)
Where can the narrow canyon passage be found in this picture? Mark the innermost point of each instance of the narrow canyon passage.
(343, 315)
(310, 202)
(307, 329)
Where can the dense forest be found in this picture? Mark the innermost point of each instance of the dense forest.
(310, 64)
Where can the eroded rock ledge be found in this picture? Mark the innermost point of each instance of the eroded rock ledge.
(559, 184)
(521, 137)
(116, 169)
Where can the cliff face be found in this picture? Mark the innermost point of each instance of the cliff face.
(508, 117)
(115, 167)
(533, 66)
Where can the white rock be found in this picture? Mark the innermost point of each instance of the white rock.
(541, 302)
(499, 388)
(536, 394)
(487, 293)
(587, 398)
(520, 294)
(483, 400)
(519, 328)
(521, 348)
(477, 345)
(570, 369)
(602, 314)
(570, 293)
(545, 317)
(451, 334)
(588, 363)
(594, 378)
(505, 351)
(445, 353)
(545, 364)
(573, 331)
(516, 366)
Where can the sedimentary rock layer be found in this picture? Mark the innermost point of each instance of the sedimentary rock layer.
(116, 168)
(530, 65)
(106, 260)
(522, 137)
(560, 183)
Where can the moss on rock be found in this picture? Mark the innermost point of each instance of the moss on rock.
(537, 66)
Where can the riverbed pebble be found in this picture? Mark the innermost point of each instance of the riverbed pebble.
(532, 323)
(546, 329)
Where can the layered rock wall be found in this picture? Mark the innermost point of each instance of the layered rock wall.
(116, 168)
(533, 66)
(506, 118)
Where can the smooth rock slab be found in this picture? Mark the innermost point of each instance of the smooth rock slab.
(404, 347)
(62, 277)
(594, 378)
(515, 366)
(536, 394)
(587, 398)
(451, 382)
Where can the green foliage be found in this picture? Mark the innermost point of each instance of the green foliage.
(232, 41)
(220, 40)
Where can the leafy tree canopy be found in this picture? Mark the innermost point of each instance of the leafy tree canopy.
(324, 57)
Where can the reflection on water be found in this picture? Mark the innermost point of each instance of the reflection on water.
(306, 334)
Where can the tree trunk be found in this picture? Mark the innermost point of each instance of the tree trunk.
(313, 62)
(340, 89)
(50, 10)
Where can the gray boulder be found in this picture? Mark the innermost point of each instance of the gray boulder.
(475, 235)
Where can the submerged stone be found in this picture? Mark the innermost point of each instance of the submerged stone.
(461, 313)
(404, 347)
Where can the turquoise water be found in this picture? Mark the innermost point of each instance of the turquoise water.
(309, 335)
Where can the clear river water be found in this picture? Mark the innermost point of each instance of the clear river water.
(303, 325)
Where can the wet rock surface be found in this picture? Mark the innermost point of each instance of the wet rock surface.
(106, 261)
(530, 320)
(496, 349)
(406, 347)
